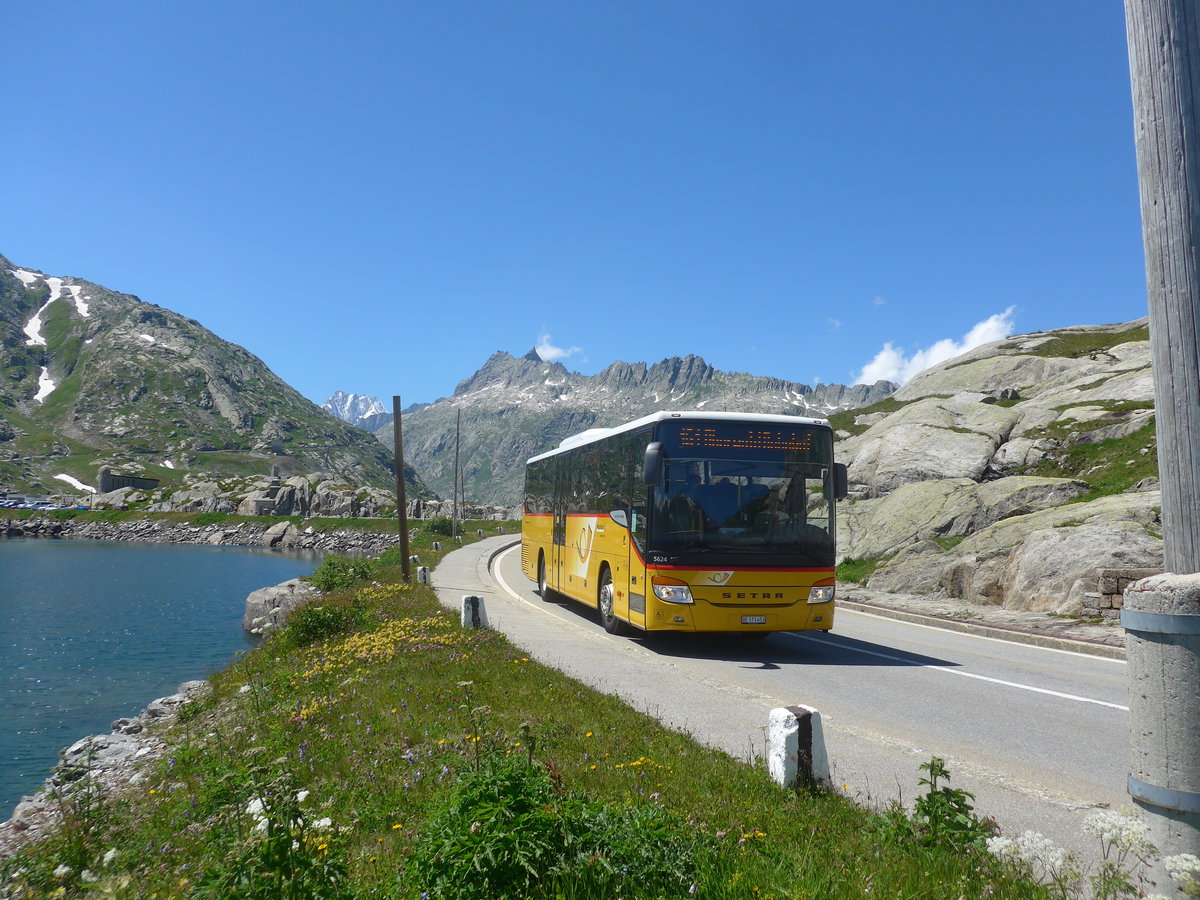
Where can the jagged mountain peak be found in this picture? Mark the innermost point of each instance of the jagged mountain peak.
(515, 407)
(353, 408)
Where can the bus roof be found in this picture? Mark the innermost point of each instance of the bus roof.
(595, 434)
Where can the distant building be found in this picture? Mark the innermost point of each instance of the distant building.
(111, 482)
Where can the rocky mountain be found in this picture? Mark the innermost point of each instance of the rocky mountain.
(516, 407)
(353, 408)
(91, 377)
(1012, 474)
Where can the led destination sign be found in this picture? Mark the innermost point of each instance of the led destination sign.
(725, 437)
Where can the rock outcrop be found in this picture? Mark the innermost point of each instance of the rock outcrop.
(944, 485)
(105, 763)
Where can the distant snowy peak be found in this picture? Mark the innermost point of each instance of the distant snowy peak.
(353, 408)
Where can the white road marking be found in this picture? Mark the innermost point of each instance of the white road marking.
(953, 670)
(844, 611)
(821, 639)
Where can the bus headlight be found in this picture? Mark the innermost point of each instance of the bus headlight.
(820, 594)
(671, 590)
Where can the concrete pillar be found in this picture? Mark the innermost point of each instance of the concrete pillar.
(437, 545)
(796, 747)
(1161, 616)
(473, 613)
(423, 575)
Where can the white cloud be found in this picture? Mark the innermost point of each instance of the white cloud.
(878, 301)
(890, 363)
(834, 324)
(548, 352)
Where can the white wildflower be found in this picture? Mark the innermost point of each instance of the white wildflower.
(1002, 847)
(244, 689)
(261, 825)
(1120, 830)
(1183, 869)
(62, 871)
(255, 807)
(110, 856)
(301, 796)
(323, 824)
(1046, 860)
(87, 876)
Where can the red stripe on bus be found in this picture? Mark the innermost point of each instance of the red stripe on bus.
(736, 568)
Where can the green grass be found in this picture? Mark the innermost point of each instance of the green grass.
(438, 753)
(1073, 346)
(858, 571)
(1119, 463)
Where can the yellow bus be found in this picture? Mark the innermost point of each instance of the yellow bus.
(689, 521)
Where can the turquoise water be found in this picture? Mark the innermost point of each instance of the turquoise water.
(92, 631)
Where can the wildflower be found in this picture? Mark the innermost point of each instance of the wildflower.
(110, 856)
(589, 734)
(255, 807)
(397, 825)
(62, 871)
(1184, 869)
(1120, 831)
(301, 796)
(323, 824)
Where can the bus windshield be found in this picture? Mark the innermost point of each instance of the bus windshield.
(745, 490)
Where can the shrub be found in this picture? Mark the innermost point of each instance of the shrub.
(310, 624)
(339, 573)
(507, 830)
(440, 525)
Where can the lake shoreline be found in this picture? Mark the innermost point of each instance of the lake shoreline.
(280, 535)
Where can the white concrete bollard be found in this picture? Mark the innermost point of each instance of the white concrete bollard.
(473, 613)
(437, 545)
(423, 575)
(796, 747)
(415, 560)
(479, 532)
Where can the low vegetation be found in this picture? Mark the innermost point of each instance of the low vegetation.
(1109, 467)
(1073, 345)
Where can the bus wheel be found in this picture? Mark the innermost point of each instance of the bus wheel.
(543, 589)
(606, 602)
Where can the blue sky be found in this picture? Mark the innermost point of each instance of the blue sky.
(375, 197)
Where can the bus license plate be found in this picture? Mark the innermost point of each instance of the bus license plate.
(754, 620)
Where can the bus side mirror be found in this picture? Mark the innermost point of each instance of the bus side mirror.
(841, 482)
(653, 464)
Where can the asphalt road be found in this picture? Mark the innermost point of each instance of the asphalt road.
(1040, 736)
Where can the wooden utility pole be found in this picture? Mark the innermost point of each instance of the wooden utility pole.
(457, 434)
(1161, 615)
(401, 499)
(1164, 65)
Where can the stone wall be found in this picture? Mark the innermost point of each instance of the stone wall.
(1109, 598)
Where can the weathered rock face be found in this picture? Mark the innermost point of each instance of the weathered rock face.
(931, 438)
(943, 508)
(1042, 561)
(946, 462)
(269, 607)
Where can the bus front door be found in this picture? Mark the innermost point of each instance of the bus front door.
(558, 544)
